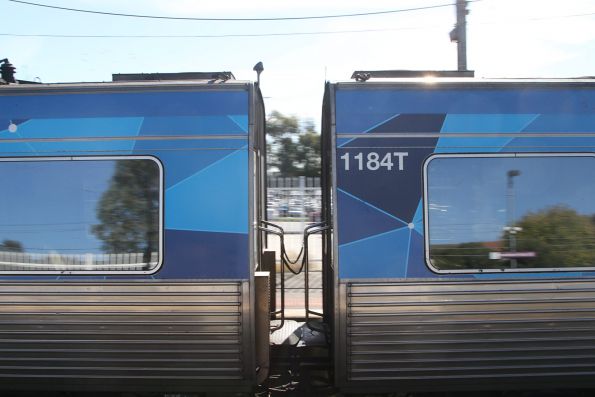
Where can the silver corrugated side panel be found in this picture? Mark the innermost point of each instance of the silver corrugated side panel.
(468, 335)
(262, 324)
(165, 336)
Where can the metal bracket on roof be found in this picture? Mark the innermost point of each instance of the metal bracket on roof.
(7, 71)
(361, 76)
(365, 75)
(223, 76)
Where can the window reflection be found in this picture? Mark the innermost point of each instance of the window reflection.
(511, 212)
(79, 214)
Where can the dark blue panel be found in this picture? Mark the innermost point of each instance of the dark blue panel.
(412, 123)
(190, 254)
(359, 220)
(167, 104)
(396, 192)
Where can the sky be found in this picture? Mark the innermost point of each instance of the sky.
(461, 189)
(506, 38)
(56, 208)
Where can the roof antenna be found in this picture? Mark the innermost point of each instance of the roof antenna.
(258, 68)
(7, 71)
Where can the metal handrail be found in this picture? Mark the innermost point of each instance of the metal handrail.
(285, 262)
(308, 231)
(281, 234)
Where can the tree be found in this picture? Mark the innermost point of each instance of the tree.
(278, 125)
(11, 246)
(129, 210)
(471, 255)
(293, 147)
(309, 153)
(559, 235)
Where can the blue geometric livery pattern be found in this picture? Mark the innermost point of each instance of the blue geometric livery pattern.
(200, 137)
(379, 212)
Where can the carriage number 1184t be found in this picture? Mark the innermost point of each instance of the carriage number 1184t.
(373, 161)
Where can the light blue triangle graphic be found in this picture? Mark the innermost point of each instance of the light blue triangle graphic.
(480, 123)
(489, 123)
(418, 217)
(215, 199)
(419, 228)
(241, 121)
(380, 256)
(418, 220)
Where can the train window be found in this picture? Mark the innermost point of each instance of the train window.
(509, 212)
(77, 215)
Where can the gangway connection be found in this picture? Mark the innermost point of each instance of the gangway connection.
(300, 347)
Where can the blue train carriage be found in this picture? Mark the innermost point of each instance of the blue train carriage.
(126, 240)
(464, 233)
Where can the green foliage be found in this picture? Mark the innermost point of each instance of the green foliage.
(129, 210)
(560, 236)
(472, 255)
(11, 246)
(293, 147)
(309, 153)
(278, 125)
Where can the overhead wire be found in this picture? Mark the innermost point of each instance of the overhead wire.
(283, 18)
(207, 36)
(281, 34)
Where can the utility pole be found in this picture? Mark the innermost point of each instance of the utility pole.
(511, 229)
(459, 35)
